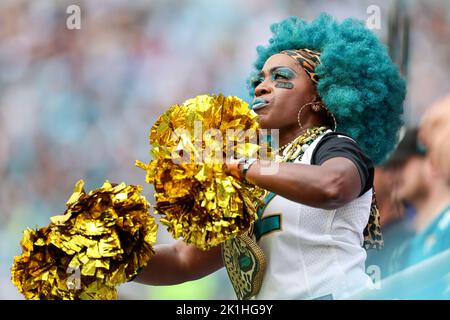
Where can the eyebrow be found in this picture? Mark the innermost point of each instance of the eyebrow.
(261, 73)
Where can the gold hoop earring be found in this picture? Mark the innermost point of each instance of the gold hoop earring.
(315, 106)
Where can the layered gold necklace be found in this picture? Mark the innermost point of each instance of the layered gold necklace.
(298, 146)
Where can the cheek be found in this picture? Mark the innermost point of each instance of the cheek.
(293, 94)
(412, 178)
(289, 104)
(409, 175)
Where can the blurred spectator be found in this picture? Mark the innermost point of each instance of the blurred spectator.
(433, 218)
(400, 188)
(433, 222)
(412, 181)
(418, 177)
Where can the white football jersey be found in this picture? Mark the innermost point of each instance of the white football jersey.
(314, 253)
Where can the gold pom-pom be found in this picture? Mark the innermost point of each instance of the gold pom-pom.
(197, 199)
(101, 241)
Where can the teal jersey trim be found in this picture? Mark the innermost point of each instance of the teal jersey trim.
(268, 224)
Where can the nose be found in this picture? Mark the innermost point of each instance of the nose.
(262, 89)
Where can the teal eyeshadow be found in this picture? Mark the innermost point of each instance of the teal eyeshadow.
(285, 72)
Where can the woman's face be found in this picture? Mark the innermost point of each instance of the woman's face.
(281, 89)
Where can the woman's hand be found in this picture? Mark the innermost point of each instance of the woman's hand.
(234, 168)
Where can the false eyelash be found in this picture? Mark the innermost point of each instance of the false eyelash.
(274, 77)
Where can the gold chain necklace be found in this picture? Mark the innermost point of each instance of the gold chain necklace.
(277, 151)
(299, 145)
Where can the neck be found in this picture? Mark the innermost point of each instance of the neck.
(428, 209)
(310, 120)
(287, 136)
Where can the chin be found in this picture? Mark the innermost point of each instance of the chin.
(265, 125)
(261, 122)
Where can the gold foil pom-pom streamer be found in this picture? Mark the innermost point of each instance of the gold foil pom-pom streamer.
(196, 198)
(103, 239)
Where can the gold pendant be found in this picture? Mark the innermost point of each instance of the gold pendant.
(245, 263)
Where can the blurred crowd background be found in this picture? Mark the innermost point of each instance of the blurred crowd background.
(79, 104)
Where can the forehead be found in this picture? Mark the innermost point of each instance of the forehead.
(281, 60)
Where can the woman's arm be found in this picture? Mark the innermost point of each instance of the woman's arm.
(177, 263)
(328, 186)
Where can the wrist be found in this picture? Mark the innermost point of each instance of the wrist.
(239, 168)
(246, 166)
(235, 168)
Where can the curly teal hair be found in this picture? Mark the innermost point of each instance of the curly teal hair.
(358, 82)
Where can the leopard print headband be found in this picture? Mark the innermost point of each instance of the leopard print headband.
(308, 59)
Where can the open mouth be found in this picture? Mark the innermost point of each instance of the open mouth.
(259, 104)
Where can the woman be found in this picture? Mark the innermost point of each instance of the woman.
(310, 80)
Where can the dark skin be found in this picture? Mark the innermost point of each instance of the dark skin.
(177, 263)
(330, 185)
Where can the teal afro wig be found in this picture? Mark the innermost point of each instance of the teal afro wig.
(358, 82)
